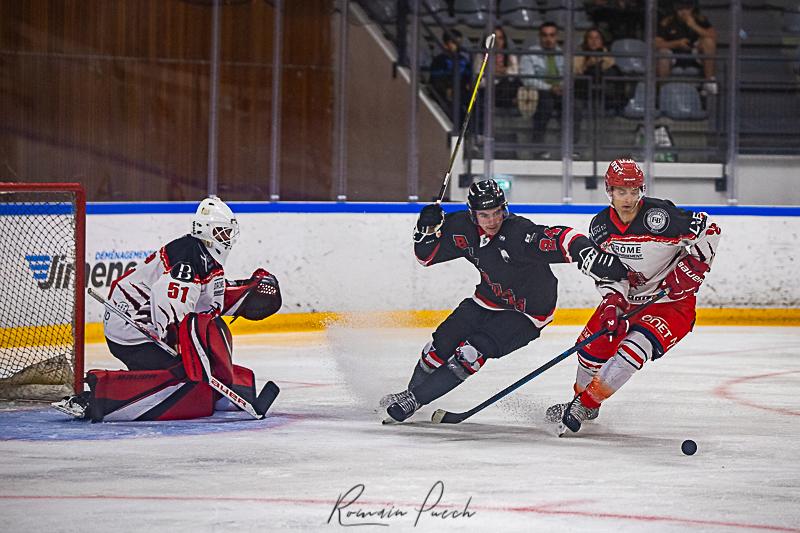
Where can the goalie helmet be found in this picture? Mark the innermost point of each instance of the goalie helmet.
(624, 173)
(215, 225)
(486, 194)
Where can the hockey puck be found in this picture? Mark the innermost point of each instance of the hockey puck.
(689, 447)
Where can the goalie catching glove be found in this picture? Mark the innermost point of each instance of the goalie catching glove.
(255, 298)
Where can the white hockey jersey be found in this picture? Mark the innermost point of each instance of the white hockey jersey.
(182, 277)
(653, 243)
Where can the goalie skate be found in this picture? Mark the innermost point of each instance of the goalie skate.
(74, 406)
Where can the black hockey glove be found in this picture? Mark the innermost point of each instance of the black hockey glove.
(599, 265)
(430, 219)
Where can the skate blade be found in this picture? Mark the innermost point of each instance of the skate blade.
(388, 421)
(67, 412)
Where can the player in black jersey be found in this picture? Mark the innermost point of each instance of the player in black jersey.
(514, 300)
(665, 247)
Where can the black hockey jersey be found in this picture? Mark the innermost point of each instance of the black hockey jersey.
(653, 243)
(514, 264)
(182, 277)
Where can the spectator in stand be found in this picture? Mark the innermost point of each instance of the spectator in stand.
(686, 31)
(595, 68)
(617, 19)
(543, 68)
(442, 75)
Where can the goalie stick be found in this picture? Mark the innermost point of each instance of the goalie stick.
(440, 416)
(257, 410)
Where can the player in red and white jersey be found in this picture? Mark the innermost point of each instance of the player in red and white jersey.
(178, 293)
(665, 247)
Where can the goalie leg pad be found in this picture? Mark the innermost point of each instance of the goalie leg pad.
(244, 384)
(206, 345)
(125, 395)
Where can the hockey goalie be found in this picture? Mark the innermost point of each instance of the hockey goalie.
(178, 294)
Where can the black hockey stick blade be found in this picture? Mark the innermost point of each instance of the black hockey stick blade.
(266, 397)
(440, 416)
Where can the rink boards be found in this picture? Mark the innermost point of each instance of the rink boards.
(354, 262)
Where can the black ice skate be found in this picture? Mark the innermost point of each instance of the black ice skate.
(575, 414)
(402, 406)
(555, 413)
(75, 406)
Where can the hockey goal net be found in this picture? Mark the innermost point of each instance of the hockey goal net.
(42, 235)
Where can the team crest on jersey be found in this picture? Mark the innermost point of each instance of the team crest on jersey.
(656, 219)
(485, 239)
(460, 241)
(182, 272)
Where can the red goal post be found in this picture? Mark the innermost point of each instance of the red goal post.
(42, 277)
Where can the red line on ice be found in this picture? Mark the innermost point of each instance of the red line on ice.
(544, 509)
(725, 391)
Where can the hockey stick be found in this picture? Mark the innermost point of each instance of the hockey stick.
(489, 46)
(257, 410)
(440, 416)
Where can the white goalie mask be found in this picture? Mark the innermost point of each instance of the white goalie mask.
(215, 224)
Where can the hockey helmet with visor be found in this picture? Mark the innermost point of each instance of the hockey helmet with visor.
(215, 224)
(624, 173)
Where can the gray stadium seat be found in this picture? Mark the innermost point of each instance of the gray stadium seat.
(680, 101)
(635, 106)
(791, 20)
(473, 13)
(440, 8)
(580, 21)
(382, 10)
(629, 65)
(522, 14)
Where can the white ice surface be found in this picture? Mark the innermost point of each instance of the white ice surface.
(733, 390)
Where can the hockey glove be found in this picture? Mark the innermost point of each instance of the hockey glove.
(611, 309)
(255, 298)
(686, 279)
(599, 265)
(430, 219)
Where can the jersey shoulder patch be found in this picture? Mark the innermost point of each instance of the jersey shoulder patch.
(598, 227)
(187, 256)
(664, 218)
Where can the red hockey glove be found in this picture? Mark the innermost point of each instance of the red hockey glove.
(686, 279)
(611, 308)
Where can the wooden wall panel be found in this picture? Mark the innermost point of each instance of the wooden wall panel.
(114, 93)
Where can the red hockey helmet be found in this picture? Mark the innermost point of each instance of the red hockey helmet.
(624, 173)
